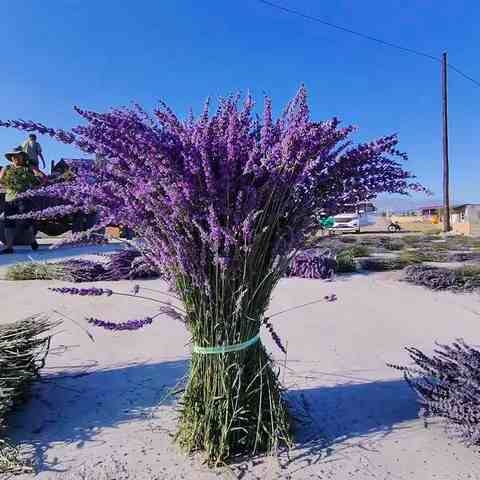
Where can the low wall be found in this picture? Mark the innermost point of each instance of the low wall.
(462, 228)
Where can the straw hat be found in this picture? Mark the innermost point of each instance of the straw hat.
(15, 152)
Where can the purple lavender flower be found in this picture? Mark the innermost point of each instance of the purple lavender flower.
(87, 237)
(268, 325)
(193, 189)
(128, 325)
(92, 291)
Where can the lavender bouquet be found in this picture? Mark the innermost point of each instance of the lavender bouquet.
(222, 202)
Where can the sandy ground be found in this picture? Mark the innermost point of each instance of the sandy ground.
(104, 407)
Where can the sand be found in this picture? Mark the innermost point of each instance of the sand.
(103, 408)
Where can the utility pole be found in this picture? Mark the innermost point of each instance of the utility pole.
(446, 185)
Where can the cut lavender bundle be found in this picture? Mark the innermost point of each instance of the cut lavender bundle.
(35, 271)
(448, 386)
(221, 201)
(72, 270)
(124, 265)
(24, 346)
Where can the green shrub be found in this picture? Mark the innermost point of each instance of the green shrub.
(411, 257)
(381, 264)
(344, 239)
(438, 246)
(470, 271)
(392, 244)
(346, 262)
(358, 250)
(464, 279)
(411, 238)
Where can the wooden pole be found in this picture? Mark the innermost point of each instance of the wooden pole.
(446, 182)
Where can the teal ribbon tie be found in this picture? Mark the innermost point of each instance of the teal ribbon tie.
(226, 348)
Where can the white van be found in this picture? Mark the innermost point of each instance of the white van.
(346, 222)
(360, 215)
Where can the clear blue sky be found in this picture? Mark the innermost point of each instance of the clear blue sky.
(106, 53)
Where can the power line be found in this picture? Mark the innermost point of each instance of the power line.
(464, 75)
(366, 37)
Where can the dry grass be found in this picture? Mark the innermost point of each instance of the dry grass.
(421, 227)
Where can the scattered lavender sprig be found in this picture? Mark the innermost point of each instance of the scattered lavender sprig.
(92, 291)
(122, 326)
(274, 335)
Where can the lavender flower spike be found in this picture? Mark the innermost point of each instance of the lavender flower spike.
(122, 326)
(93, 291)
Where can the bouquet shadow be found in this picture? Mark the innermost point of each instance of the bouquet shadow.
(74, 408)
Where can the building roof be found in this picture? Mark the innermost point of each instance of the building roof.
(461, 205)
(65, 163)
(431, 207)
(72, 162)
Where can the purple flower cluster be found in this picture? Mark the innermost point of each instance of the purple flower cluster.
(86, 237)
(274, 335)
(195, 190)
(92, 291)
(128, 325)
(49, 212)
(448, 386)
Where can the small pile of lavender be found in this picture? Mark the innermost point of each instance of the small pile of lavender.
(313, 264)
(23, 348)
(72, 270)
(448, 386)
(128, 264)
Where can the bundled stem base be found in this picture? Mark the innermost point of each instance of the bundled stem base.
(233, 405)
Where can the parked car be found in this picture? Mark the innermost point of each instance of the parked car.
(355, 217)
(346, 222)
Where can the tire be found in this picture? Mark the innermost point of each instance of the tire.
(392, 229)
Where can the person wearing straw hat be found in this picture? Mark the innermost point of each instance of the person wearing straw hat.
(16, 178)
